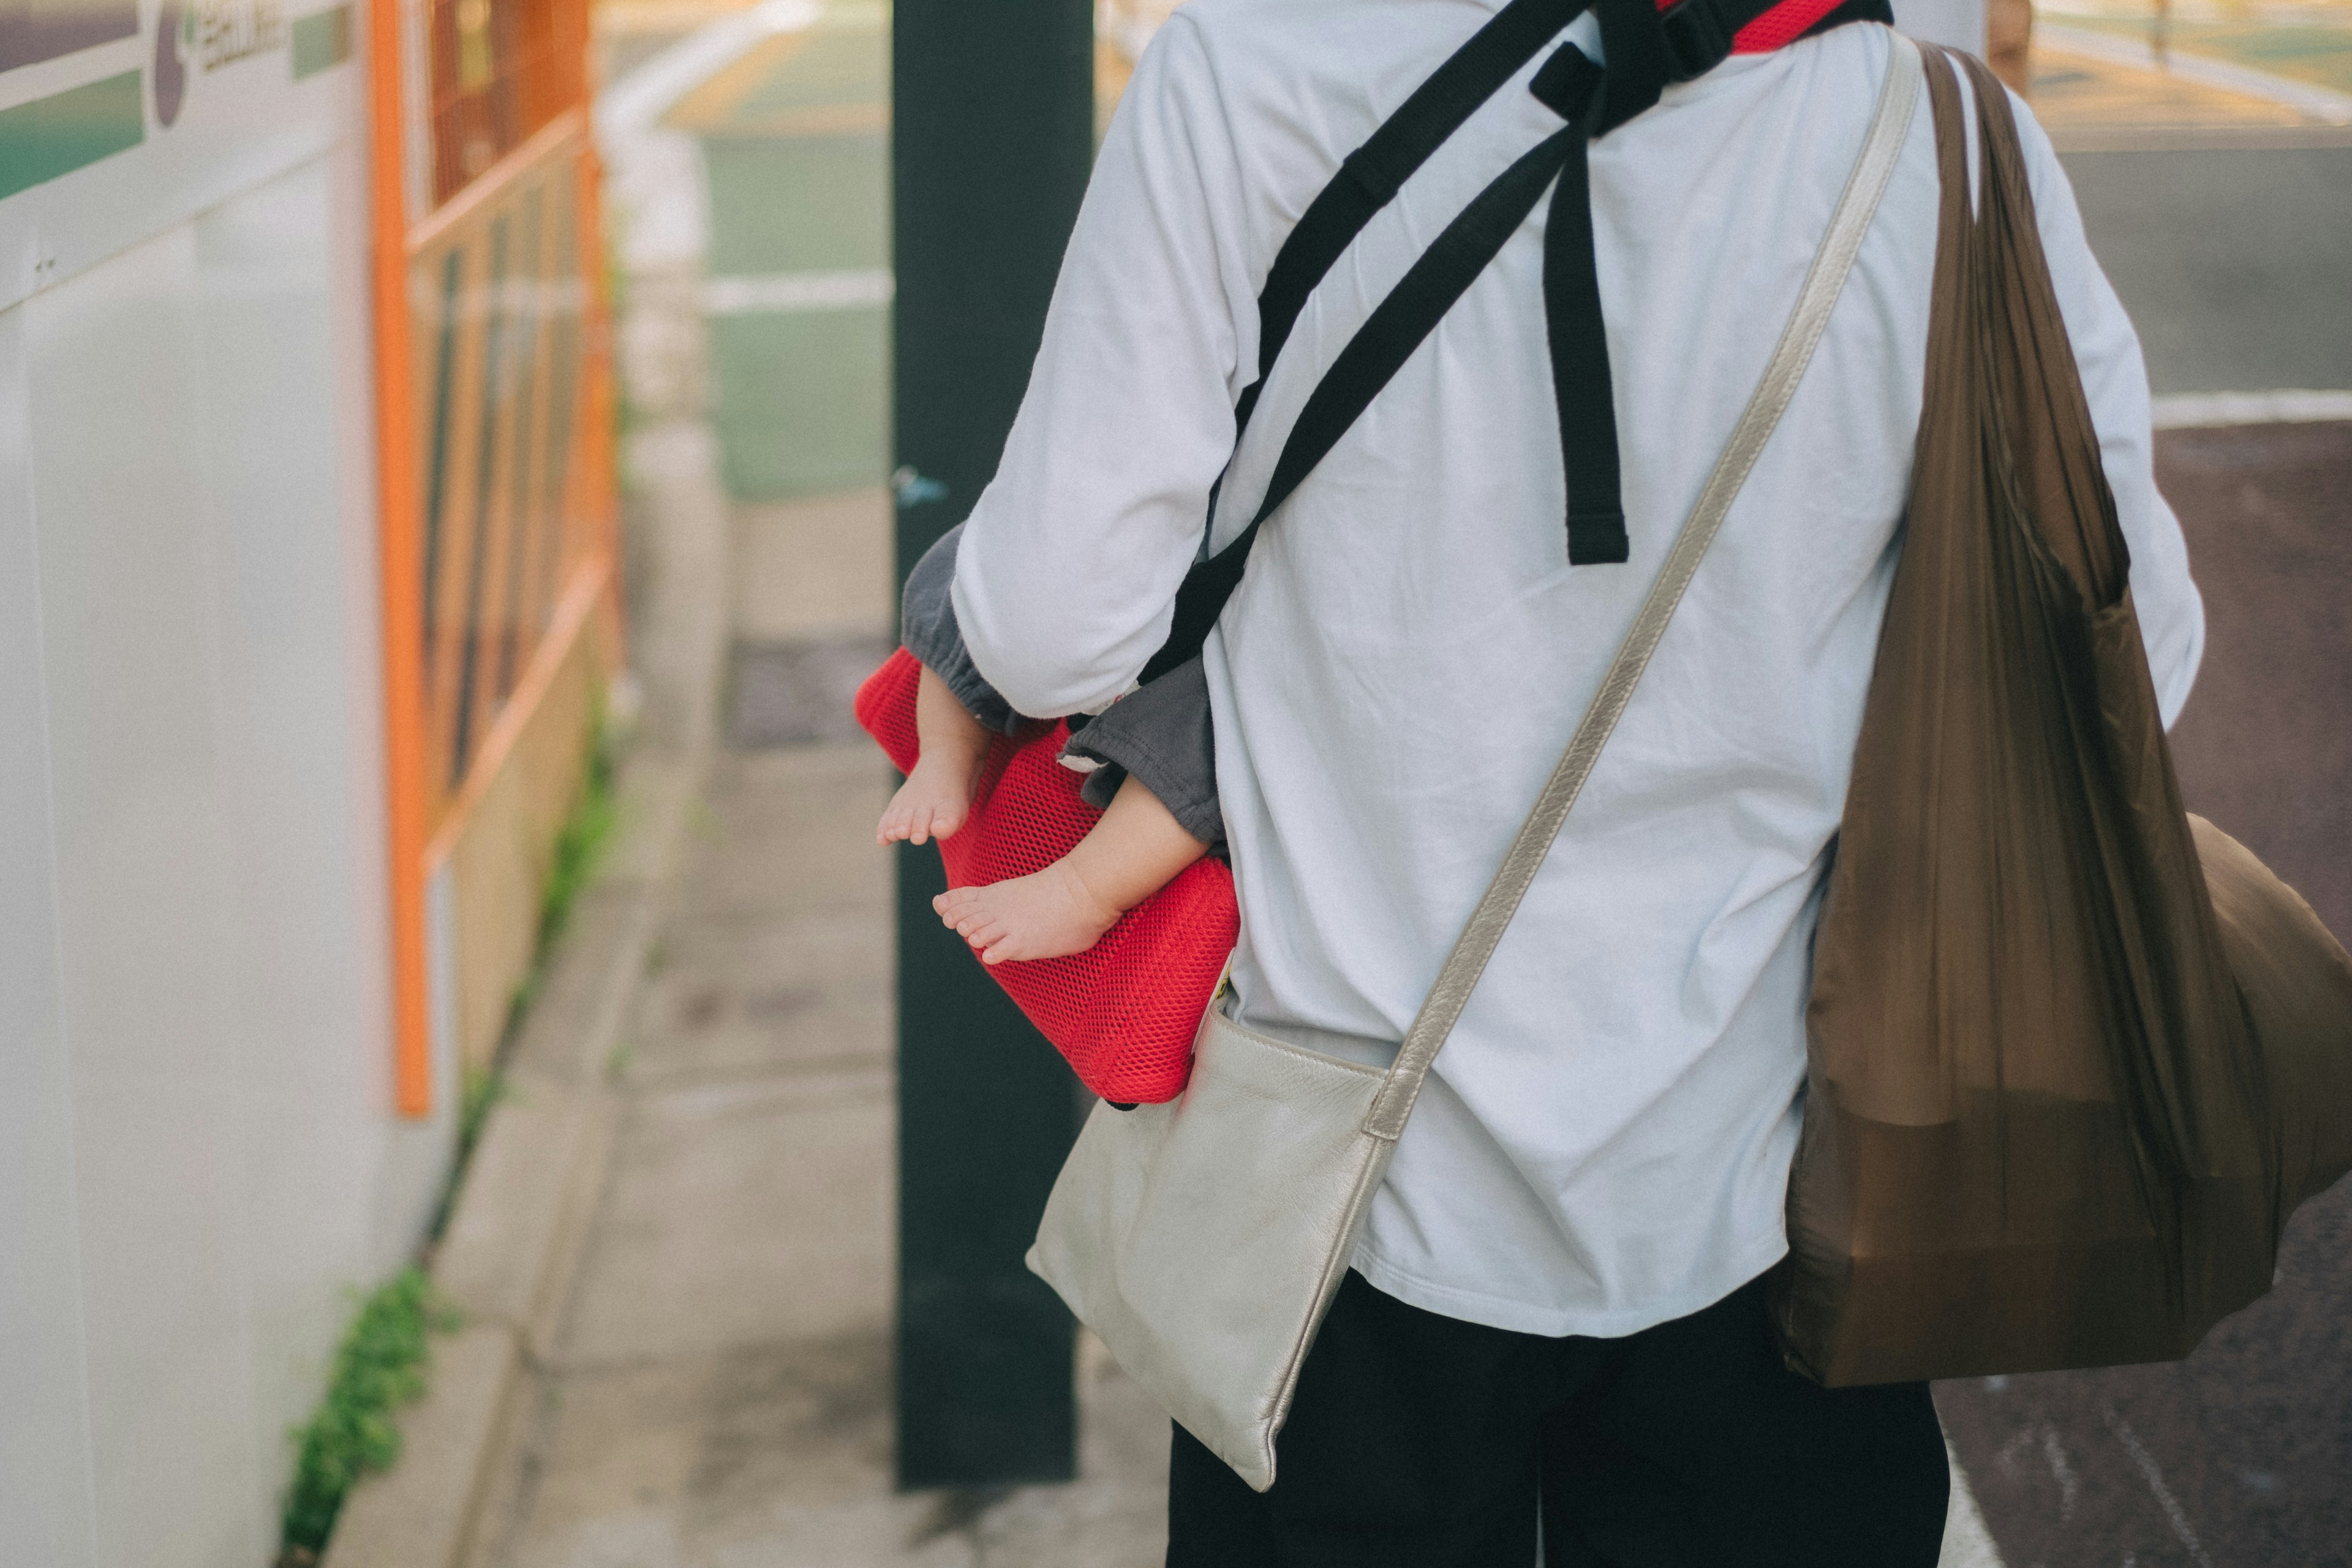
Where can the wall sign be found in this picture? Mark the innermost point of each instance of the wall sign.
(121, 118)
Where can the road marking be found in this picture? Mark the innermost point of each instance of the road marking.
(1967, 1543)
(798, 293)
(2146, 1463)
(2198, 409)
(631, 105)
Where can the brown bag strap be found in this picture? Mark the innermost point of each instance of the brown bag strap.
(1991, 275)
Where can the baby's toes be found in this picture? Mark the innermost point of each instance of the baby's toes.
(982, 928)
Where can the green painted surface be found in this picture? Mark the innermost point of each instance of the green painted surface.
(798, 153)
(67, 131)
(804, 402)
(322, 39)
(798, 203)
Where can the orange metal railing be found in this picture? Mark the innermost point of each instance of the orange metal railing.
(499, 295)
(493, 401)
(501, 70)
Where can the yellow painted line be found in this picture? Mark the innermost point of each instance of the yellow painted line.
(710, 105)
(2312, 45)
(664, 16)
(729, 102)
(2322, 105)
(2075, 91)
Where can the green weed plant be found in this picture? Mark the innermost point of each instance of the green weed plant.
(579, 843)
(378, 1367)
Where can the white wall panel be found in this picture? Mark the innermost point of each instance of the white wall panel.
(145, 893)
(339, 1187)
(45, 1477)
(233, 123)
(415, 1158)
(298, 821)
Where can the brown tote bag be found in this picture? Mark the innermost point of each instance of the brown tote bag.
(2074, 1055)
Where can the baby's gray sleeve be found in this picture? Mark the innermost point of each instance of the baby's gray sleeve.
(1160, 733)
(926, 625)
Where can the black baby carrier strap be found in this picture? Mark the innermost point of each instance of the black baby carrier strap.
(1646, 49)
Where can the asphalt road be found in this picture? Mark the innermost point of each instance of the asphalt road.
(2241, 1456)
(2235, 263)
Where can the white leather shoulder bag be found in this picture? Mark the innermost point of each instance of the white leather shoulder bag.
(1204, 1239)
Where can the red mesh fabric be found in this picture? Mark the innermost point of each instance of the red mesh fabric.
(1123, 1012)
(1783, 24)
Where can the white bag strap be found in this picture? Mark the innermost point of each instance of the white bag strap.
(1898, 96)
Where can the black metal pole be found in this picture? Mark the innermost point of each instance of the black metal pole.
(991, 138)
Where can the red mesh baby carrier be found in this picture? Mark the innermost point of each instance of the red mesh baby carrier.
(1124, 1012)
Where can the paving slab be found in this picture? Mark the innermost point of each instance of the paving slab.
(790, 832)
(776, 1455)
(421, 1513)
(741, 1214)
(1115, 1515)
(808, 570)
(787, 693)
(759, 993)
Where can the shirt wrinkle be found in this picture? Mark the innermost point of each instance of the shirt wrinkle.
(1608, 1139)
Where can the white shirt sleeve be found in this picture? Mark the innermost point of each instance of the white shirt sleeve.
(2114, 382)
(1067, 578)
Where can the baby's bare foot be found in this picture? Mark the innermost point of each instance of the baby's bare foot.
(1046, 914)
(931, 804)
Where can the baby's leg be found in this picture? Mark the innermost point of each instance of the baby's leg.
(937, 796)
(1133, 852)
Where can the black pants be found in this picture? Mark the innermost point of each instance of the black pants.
(1419, 1441)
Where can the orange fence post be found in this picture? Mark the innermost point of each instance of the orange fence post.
(598, 457)
(494, 481)
(399, 566)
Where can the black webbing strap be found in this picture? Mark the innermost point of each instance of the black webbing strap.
(1371, 176)
(1646, 49)
(1380, 348)
(1583, 395)
(1655, 48)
